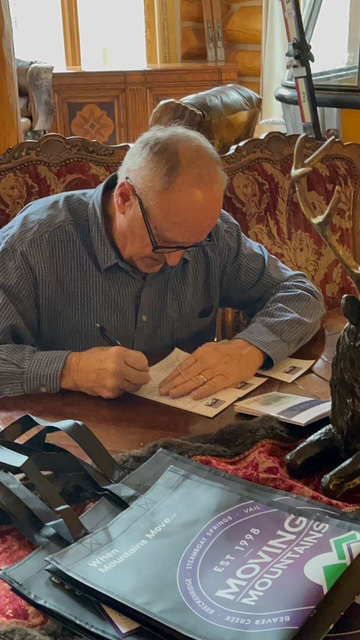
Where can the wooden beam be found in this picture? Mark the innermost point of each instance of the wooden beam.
(168, 31)
(71, 34)
(10, 126)
(150, 32)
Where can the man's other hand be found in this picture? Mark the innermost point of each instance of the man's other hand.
(213, 367)
(105, 371)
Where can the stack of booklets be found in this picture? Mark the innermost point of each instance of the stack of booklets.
(200, 554)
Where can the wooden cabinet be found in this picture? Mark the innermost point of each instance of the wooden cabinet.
(115, 106)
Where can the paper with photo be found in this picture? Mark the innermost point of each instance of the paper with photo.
(210, 406)
(289, 369)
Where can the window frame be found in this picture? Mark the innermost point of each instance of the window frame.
(71, 33)
(71, 30)
(310, 17)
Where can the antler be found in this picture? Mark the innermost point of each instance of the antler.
(322, 222)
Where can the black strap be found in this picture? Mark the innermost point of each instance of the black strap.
(79, 432)
(21, 505)
(107, 468)
(20, 518)
(18, 428)
(89, 443)
(24, 464)
(58, 460)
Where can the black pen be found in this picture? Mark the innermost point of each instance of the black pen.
(106, 336)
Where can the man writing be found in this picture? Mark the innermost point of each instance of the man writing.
(150, 255)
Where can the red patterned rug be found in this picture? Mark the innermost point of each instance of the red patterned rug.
(262, 463)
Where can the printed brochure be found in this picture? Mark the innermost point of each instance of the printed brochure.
(286, 407)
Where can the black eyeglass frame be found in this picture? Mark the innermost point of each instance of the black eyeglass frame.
(161, 248)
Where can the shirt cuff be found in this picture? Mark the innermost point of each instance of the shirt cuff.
(275, 349)
(43, 373)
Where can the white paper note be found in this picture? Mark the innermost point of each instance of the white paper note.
(210, 406)
(289, 369)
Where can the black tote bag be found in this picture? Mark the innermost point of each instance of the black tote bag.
(29, 578)
(348, 626)
(147, 561)
(149, 472)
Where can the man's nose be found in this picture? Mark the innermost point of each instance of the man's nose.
(173, 258)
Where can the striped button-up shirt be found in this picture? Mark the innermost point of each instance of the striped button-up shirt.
(60, 275)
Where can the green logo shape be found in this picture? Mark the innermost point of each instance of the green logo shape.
(340, 543)
(332, 572)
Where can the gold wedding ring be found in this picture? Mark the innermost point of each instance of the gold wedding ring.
(203, 378)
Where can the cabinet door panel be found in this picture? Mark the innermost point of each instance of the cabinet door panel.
(94, 114)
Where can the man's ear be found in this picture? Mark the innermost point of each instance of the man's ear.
(122, 197)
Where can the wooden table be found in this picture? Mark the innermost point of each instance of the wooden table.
(129, 422)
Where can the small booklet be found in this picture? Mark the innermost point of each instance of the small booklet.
(123, 625)
(209, 406)
(289, 369)
(286, 407)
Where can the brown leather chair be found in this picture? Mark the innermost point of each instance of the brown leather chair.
(224, 115)
(35, 95)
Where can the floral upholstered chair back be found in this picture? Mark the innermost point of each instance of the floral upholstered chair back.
(53, 164)
(262, 199)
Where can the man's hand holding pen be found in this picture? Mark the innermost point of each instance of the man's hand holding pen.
(105, 371)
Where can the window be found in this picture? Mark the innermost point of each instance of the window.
(114, 36)
(38, 31)
(332, 30)
(106, 35)
(335, 43)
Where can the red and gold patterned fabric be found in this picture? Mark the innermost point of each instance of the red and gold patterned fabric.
(13, 548)
(28, 182)
(265, 464)
(262, 199)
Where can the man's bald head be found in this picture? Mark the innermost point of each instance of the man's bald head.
(163, 154)
(168, 196)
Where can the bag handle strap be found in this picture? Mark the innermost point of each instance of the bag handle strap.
(54, 458)
(24, 464)
(104, 482)
(78, 432)
(34, 519)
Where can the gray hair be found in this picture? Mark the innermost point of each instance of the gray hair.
(158, 157)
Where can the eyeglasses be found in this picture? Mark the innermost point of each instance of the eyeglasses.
(163, 249)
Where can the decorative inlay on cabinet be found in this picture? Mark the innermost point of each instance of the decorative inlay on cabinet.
(115, 106)
(93, 120)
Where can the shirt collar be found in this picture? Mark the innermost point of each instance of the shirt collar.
(105, 253)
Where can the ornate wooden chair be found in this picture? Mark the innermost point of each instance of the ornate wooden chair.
(53, 164)
(263, 200)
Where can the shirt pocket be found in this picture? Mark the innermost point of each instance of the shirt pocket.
(193, 330)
